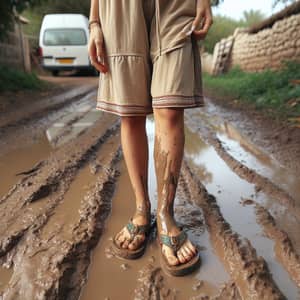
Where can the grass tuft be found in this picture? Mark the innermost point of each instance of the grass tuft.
(271, 90)
(13, 80)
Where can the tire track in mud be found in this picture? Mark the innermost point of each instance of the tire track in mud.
(42, 108)
(249, 272)
(283, 247)
(32, 201)
(261, 183)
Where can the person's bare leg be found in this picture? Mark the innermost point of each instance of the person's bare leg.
(135, 149)
(168, 153)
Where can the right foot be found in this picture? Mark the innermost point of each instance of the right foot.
(184, 254)
(123, 238)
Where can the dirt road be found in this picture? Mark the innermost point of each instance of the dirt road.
(65, 192)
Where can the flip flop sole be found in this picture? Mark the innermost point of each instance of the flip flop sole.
(181, 269)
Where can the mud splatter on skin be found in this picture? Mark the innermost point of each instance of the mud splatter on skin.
(167, 173)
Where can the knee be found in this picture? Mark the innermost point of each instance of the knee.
(133, 122)
(171, 116)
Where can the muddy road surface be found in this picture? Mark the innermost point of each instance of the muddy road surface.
(65, 192)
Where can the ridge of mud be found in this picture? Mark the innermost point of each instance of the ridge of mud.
(49, 266)
(283, 247)
(54, 175)
(228, 292)
(261, 183)
(39, 109)
(151, 285)
(276, 135)
(249, 272)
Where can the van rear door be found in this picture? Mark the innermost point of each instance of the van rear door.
(65, 47)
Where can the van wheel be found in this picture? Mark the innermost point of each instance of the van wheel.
(55, 72)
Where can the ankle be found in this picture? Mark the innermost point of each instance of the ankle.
(166, 223)
(143, 210)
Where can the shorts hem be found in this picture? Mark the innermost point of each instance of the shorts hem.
(123, 110)
(178, 101)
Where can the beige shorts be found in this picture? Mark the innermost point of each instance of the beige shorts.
(152, 62)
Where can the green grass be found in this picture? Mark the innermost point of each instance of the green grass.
(270, 90)
(13, 80)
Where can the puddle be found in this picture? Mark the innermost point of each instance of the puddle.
(20, 160)
(67, 213)
(228, 189)
(244, 151)
(69, 126)
(23, 156)
(5, 275)
(248, 154)
(211, 272)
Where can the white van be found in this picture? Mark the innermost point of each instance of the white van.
(63, 43)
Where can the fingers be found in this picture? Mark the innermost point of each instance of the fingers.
(204, 30)
(97, 54)
(99, 66)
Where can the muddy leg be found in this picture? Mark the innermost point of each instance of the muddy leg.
(135, 150)
(168, 153)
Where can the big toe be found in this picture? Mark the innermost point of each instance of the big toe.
(171, 258)
(136, 242)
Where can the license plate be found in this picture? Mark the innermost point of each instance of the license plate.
(65, 60)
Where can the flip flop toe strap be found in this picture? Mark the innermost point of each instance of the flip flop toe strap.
(136, 229)
(174, 242)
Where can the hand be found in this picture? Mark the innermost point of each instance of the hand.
(203, 19)
(96, 49)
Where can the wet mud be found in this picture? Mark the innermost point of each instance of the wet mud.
(65, 192)
(283, 247)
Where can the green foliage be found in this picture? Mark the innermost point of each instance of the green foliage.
(13, 80)
(224, 26)
(268, 89)
(66, 6)
(8, 9)
(252, 17)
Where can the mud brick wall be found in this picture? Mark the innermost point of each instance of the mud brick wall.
(269, 47)
(15, 50)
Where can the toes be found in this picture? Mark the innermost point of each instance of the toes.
(136, 242)
(125, 243)
(181, 256)
(172, 259)
(120, 238)
(186, 253)
(191, 247)
(189, 254)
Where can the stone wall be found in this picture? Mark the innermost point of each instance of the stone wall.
(269, 47)
(15, 50)
(266, 49)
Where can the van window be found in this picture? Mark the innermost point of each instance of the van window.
(64, 36)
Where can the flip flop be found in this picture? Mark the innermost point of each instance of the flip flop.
(175, 242)
(133, 229)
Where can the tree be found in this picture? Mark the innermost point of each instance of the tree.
(8, 10)
(223, 27)
(252, 17)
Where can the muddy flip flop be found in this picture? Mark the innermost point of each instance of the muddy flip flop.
(133, 229)
(175, 242)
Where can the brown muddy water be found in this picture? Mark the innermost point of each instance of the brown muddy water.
(67, 210)
(105, 266)
(229, 189)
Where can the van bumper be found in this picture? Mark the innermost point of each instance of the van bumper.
(67, 68)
